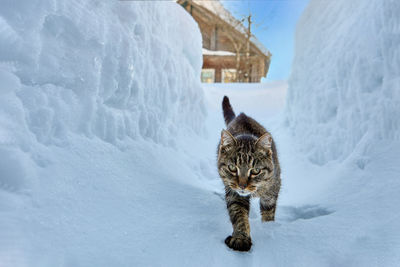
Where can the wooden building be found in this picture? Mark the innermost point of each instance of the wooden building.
(230, 52)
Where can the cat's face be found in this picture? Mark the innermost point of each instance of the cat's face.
(244, 162)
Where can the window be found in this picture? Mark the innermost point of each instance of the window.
(208, 75)
(228, 75)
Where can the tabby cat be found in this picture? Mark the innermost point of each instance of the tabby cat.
(249, 167)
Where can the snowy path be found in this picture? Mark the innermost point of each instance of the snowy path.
(331, 215)
(279, 242)
(103, 206)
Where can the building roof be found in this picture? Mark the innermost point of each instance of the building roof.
(219, 10)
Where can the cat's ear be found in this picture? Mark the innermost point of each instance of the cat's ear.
(227, 138)
(265, 141)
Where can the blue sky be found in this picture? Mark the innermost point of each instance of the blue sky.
(277, 19)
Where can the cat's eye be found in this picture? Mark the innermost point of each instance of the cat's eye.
(255, 171)
(232, 167)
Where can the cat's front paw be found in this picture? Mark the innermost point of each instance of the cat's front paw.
(240, 243)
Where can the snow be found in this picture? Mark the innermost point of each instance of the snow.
(102, 70)
(107, 156)
(83, 84)
(345, 81)
(217, 53)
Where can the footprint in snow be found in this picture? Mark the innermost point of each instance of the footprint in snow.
(306, 212)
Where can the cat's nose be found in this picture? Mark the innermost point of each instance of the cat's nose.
(243, 185)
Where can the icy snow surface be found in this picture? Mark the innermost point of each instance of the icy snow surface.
(345, 83)
(107, 157)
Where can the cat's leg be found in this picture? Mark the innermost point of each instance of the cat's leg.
(238, 208)
(268, 207)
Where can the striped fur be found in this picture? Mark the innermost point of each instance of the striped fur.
(249, 167)
(229, 115)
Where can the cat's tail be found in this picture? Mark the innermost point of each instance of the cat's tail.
(229, 115)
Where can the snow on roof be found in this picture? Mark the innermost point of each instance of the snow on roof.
(217, 53)
(218, 9)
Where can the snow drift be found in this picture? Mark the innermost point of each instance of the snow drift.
(106, 70)
(342, 110)
(344, 91)
(91, 92)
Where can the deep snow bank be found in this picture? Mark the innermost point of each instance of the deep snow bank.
(344, 91)
(110, 69)
(91, 94)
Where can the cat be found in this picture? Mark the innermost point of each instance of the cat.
(249, 167)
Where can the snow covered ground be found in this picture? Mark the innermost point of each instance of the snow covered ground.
(107, 154)
(99, 205)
